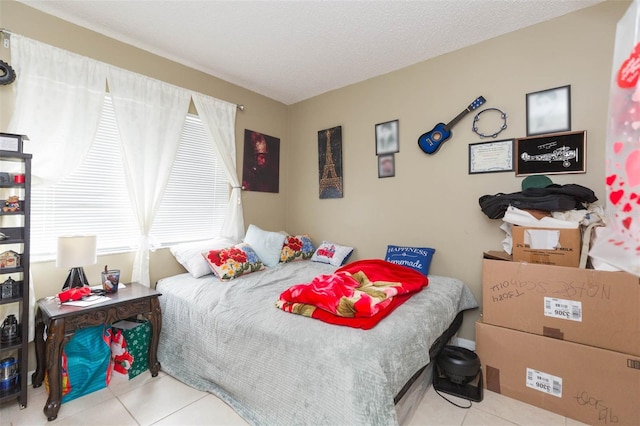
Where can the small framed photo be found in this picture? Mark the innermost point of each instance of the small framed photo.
(386, 166)
(11, 142)
(491, 157)
(549, 111)
(560, 153)
(387, 141)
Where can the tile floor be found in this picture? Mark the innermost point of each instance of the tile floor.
(164, 401)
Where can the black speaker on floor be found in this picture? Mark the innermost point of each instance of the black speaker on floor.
(458, 372)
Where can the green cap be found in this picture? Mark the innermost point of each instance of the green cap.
(536, 181)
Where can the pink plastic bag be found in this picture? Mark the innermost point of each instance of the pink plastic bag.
(619, 242)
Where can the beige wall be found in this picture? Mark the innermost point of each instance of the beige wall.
(432, 201)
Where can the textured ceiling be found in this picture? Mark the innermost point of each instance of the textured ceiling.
(293, 50)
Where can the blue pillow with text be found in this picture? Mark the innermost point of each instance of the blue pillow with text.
(418, 258)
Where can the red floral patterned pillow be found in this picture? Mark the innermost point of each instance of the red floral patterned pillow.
(233, 262)
(297, 247)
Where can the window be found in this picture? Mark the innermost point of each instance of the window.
(196, 199)
(94, 198)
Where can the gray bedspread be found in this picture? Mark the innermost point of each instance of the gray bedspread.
(278, 368)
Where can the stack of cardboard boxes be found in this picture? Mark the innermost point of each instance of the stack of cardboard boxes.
(562, 338)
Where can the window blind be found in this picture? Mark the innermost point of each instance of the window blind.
(94, 198)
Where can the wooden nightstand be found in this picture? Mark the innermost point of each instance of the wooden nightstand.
(62, 321)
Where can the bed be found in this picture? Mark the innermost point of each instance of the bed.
(275, 368)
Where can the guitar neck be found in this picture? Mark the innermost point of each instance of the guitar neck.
(457, 118)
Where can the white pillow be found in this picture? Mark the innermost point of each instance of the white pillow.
(267, 245)
(189, 255)
(331, 253)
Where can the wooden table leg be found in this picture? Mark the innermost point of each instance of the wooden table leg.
(155, 319)
(56, 340)
(38, 376)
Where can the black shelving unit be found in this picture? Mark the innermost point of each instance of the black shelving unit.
(15, 226)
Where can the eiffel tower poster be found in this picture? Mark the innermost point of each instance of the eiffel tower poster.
(330, 162)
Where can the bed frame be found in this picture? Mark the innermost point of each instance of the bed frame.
(409, 397)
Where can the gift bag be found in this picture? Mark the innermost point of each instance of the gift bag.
(130, 347)
(85, 363)
(618, 243)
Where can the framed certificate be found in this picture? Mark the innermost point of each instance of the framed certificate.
(491, 157)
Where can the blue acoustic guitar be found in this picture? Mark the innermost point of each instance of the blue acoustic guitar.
(431, 141)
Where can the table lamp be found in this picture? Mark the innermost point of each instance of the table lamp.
(75, 252)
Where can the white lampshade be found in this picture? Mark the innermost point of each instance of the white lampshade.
(76, 251)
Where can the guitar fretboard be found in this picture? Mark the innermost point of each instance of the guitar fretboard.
(457, 118)
(475, 104)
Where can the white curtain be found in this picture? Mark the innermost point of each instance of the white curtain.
(150, 115)
(219, 118)
(58, 101)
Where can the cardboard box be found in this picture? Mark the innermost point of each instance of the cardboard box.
(548, 246)
(592, 385)
(586, 306)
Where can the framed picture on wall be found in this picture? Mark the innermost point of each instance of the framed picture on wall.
(559, 153)
(330, 162)
(549, 111)
(491, 157)
(261, 163)
(387, 141)
(386, 165)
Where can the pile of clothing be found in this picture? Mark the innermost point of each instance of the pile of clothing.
(543, 204)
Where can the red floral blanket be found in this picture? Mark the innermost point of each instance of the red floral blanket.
(358, 295)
